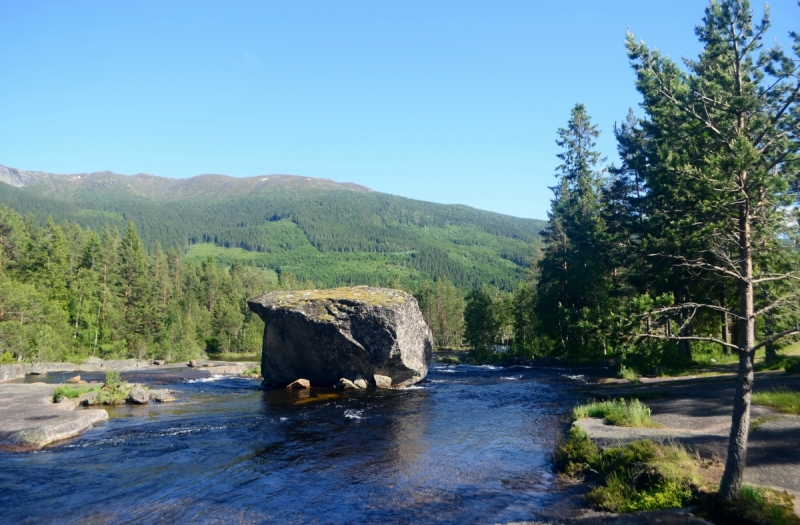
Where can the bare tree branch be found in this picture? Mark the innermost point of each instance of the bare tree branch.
(688, 338)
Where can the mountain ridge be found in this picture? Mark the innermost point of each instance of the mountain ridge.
(313, 226)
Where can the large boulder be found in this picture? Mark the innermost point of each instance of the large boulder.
(326, 335)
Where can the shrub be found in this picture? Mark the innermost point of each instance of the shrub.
(619, 412)
(7, 358)
(576, 455)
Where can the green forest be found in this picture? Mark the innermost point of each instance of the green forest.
(682, 251)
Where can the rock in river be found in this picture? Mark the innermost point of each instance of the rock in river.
(325, 335)
(138, 396)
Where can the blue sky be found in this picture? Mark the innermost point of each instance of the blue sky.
(446, 101)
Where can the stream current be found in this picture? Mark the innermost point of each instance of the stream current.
(469, 444)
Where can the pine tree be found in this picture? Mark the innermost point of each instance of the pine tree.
(572, 289)
(722, 141)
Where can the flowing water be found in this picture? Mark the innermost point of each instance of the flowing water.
(468, 445)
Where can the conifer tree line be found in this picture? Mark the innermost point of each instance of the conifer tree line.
(688, 246)
(67, 293)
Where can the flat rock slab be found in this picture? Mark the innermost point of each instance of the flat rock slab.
(30, 420)
(327, 335)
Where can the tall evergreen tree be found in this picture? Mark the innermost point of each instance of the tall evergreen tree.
(722, 141)
(572, 289)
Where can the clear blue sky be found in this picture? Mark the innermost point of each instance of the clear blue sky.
(452, 102)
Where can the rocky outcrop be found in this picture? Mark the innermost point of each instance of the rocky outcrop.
(326, 335)
(29, 419)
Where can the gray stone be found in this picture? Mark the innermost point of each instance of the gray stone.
(345, 384)
(138, 396)
(159, 362)
(382, 381)
(162, 396)
(360, 383)
(300, 384)
(88, 399)
(29, 419)
(38, 372)
(324, 335)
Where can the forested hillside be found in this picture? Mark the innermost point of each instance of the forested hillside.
(323, 231)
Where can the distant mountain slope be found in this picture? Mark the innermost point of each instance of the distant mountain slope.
(420, 239)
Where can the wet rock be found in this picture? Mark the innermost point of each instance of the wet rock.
(360, 383)
(300, 384)
(192, 363)
(88, 399)
(74, 380)
(345, 384)
(138, 396)
(382, 381)
(161, 396)
(324, 335)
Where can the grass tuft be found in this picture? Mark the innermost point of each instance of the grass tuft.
(619, 412)
(641, 476)
(787, 401)
(72, 391)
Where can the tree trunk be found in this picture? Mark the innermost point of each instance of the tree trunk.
(737, 446)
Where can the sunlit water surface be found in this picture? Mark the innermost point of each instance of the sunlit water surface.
(467, 445)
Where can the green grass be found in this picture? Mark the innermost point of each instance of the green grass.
(787, 401)
(619, 412)
(73, 391)
(253, 372)
(629, 374)
(640, 476)
(754, 505)
(647, 476)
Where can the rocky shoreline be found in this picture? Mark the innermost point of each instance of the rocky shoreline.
(30, 418)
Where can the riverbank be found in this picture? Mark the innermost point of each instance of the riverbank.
(11, 372)
(696, 412)
(30, 419)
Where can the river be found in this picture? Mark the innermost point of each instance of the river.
(470, 444)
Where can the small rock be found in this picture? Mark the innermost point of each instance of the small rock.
(713, 361)
(138, 396)
(300, 384)
(192, 363)
(383, 381)
(360, 383)
(162, 396)
(88, 399)
(75, 380)
(61, 399)
(345, 384)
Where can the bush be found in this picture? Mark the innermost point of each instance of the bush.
(113, 379)
(619, 412)
(640, 476)
(576, 455)
(7, 358)
(114, 391)
(645, 475)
